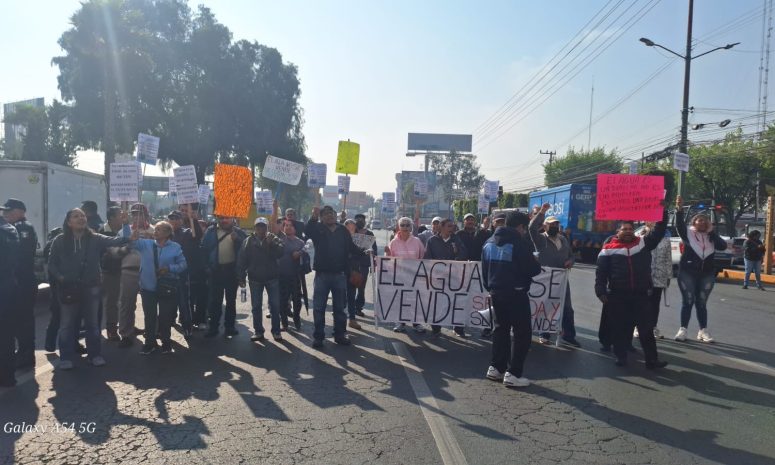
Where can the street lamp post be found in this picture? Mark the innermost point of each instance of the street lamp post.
(683, 145)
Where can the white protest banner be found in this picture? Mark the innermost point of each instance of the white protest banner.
(185, 184)
(452, 293)
(364, 241)
(264, 202)
(204, 194)
(483, 205)
(281, 170)
(123, 182)
(343, 184)
(681, 162)
(547, 301)
(491, 190)
(147, 149)
(421, 189)
(316, 174)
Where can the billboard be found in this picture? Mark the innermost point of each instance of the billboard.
(423, 142)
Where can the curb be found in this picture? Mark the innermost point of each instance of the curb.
(740, 276)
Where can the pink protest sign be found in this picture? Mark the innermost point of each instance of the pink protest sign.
(629, 197)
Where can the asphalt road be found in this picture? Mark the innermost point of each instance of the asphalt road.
(406, 398)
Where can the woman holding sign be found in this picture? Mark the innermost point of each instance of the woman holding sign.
(405, 245)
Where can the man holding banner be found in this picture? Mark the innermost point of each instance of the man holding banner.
(507, 269)
(446, 246)
(623, 284)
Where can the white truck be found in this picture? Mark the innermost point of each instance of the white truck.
(48, 191)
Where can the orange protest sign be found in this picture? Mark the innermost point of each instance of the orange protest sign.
(233, 190)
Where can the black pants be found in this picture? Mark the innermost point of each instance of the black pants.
(512, 312)
(24, 318)
(624, 313)
(223, 283)
(159, 316)
(655, 301)
(290, 298)
(7, 358)
(199, 293)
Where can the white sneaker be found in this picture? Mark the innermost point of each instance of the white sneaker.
(635, 333)
(65, 365)
(98, 361)
(704, 336)
(658, 334)
(510, 380)
(681, 335)
(494, 374)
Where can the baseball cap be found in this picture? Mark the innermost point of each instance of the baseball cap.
(551, 219)
(469, 215)
(435, 219)
(175, 215)
(11, 204)
(260, 220)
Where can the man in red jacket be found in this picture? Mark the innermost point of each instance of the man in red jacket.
(623, 283)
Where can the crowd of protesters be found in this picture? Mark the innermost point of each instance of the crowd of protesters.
(184, 270)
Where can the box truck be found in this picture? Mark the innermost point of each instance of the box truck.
(48, 191)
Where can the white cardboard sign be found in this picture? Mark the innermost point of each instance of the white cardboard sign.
(281, 170)
(147, 149)
(316, 175)
(186, 187)
(123, 182)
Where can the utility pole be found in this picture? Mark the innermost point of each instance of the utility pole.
(683, 145)
(551, 154)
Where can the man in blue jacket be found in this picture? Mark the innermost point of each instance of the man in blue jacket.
(508, 267)
(221, 244)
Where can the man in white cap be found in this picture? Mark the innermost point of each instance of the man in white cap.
(428, 233)
(554, 251)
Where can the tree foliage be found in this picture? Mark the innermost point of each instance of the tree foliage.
(462, 207)
(581, 166)
(156, 66)
(458, 174)
(47, 135)
(513, 200)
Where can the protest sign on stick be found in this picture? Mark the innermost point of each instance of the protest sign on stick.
(343, 184)
(491, 190)
(316, 175)
(124, 182)
(483, 204)
(186, 187)
(629, 197)
(147, 148)
(264, 202)
(281, 170)
(347, 157)
(204, 194)
(233, 190)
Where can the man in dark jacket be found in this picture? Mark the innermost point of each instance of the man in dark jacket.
(446, 246)
(258, 259)
(473, 237)
(221, 244)
(334, 248)
(93, 219)
(190, 241)
(9, 250)
(508, 267)
(24, 303)
(197, 268)
(623, 284)
(111, 273)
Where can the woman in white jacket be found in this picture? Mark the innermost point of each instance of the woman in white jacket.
(661, 272)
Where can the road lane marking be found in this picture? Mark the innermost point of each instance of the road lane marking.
(449, 449)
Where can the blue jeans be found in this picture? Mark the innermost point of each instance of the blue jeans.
(695, 290)
(257, 302)
(336, 284)
(88, 309)
(756, 267)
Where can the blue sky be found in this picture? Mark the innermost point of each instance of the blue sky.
(374, 71)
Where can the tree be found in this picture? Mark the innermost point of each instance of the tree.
(581, 166)
(46, 134)
(458, 174)
(725, 173)
(513, 200)
(461, 207)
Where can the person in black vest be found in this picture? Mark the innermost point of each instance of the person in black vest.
(623, 284)
(24, 301)
(508, 267)
(9, 250)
